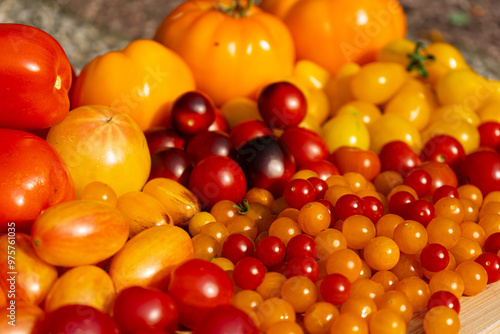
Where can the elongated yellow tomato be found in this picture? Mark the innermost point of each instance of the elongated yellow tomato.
(459, 128)
(149, 257)
(141, 80)
(455, 112)
(447, 58)
(232, 52)
(397, 51)
(346, 130)
(367, 112)
(413, 107)
(465, 87)
(102, 144)
(391, 127)
(79, 233)
(83, 285)
(338, 88)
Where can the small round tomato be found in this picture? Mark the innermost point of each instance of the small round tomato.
(444, 298)
(491, 263)
(247, 130)
(192, 112)
(236, 247)
(305, 145)
(217, 178)
(208, 143)
(197, 286)
(489, 133)
(345, 130)
(161, 137)
(434, 257)
(248, 273)
(271, 251)
(299, 192)
(466, 133)
(335, 289)
(443, 148)
(352, 159)
(301, 245)
(226, 319)
(172, 163)
(398, 156)
(466, 94)
(441, 174)
(302, 266)
(323, 168)
(447, 58)
(481, 169)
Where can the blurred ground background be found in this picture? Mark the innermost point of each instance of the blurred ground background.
(87, 28)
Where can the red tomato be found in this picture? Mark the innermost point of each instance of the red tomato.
(247, 130)
(305, 145)
(443, 148)
(217, 178)
(35, 77)
(398, 156)
(353, 159)
(441, 174)
(323, 168)
(482, 169)
(34, 177)
(226, 319)
(197, 286)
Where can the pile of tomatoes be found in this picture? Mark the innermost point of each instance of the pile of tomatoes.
(247, 171)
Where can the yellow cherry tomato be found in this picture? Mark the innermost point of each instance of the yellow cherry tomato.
(345, 130)
(367, 112)
(378, 82)
(416, 86)
(239, 109)
(391, 128)
(455, 112)
(411, 106)
(464, 87)
(447, 58)
(310, 123)
(315, 75)
(318, 105)
(490, 111)
(466, 133)
(397, 51)
(338, 89)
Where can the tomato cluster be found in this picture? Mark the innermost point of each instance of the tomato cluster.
(242, 184)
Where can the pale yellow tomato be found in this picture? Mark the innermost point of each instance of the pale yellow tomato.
(367, 112)
(239, 109)
(447, 58)
(466, 133)
(393, 128)
(345, 130)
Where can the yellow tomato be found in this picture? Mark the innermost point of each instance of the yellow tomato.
(378, 82)
(102, 144)
(367, 112)
(416, 86)
(391, 128)
(338, 88)
(490, 111)
(397, 51)
(464, 87)
(312, 73)
(454, 113)
(318, 105)
(411, 106)
(345, 130)
(238, 110)
(466, 133)
(447, 58)
(310, 123)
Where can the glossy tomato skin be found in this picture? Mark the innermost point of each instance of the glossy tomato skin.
(353, 159)
(217, 178)
(441, 173)
(161, 137)
(138, 308)
(35, 78)
(443, 148)
(197, 286)
(74, 319)
(323, 168)
(482, 169)
(208, 143)
(267, 164)
(489, 133)
(226, 319)
(399, 157)
(34, 177)
(172, 163)
(282, 105)
(247, 130)
(192, 112)
(305, 145)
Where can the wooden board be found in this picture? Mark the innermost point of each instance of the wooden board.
(478, 314)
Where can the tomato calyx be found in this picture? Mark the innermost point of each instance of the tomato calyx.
(242, 208)
(237, 8)
(418, 59)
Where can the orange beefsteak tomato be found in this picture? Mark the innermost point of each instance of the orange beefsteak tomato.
(233, 50)
(335, 32)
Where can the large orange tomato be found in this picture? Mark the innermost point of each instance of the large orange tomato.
(102, 144)
(335, 32)
(141, 80)
(232, 51)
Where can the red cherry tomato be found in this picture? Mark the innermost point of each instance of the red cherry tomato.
(248, 130)
(197, 286)
(492, 243)
(489, 133)
(301, 245)
(226, 319)
(172, 163)
(299, 192)
(219, 124)
(271, 251)
(209, 143)
(443, 148)
(282, 105)
(420, 181)
(248, 273)
(139, 309)
(482, 169)
(323, 168)
(335, 289)
(434, 257)
(444, 298)
(491, 263)
(35, 77)
(192, 112)
(421, 211)
(302, 266)
(236, 247)
(320, 186)
(372, 208)
(444, 191)
(398, 156)
(76, 319)
(217, 178)
(399, 203)
(305, 145)
(34, 178)
(161, 137)
(441, 174)
(348, 205)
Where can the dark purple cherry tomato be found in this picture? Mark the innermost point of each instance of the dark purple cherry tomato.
(75, 319)
(248, 273)
(161, 137)
(443, 148)
(217, 178)
(400, 202)
(434, 257)
(399, 157)
(421, 211)
(444, 298)
(226, 319)
(482, 169)
(372, 208)
(492, 243)
(301, 245)
(320, 186)
(491, 263)
(489, 132)
(444, 191)
(143, 308)
(267, 164)
(323, 168)
(282, 105)
(335, 289)
(208, 143)
(237, 246)
(420, 181)
(172, 163)
(299, 192)
(348, 205)
(271, 250)
(248, 130)
(305, 145)
(192, 112)
(197, 286)
(303, 266)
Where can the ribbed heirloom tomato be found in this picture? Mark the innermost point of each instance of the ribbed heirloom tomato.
(233, 50)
